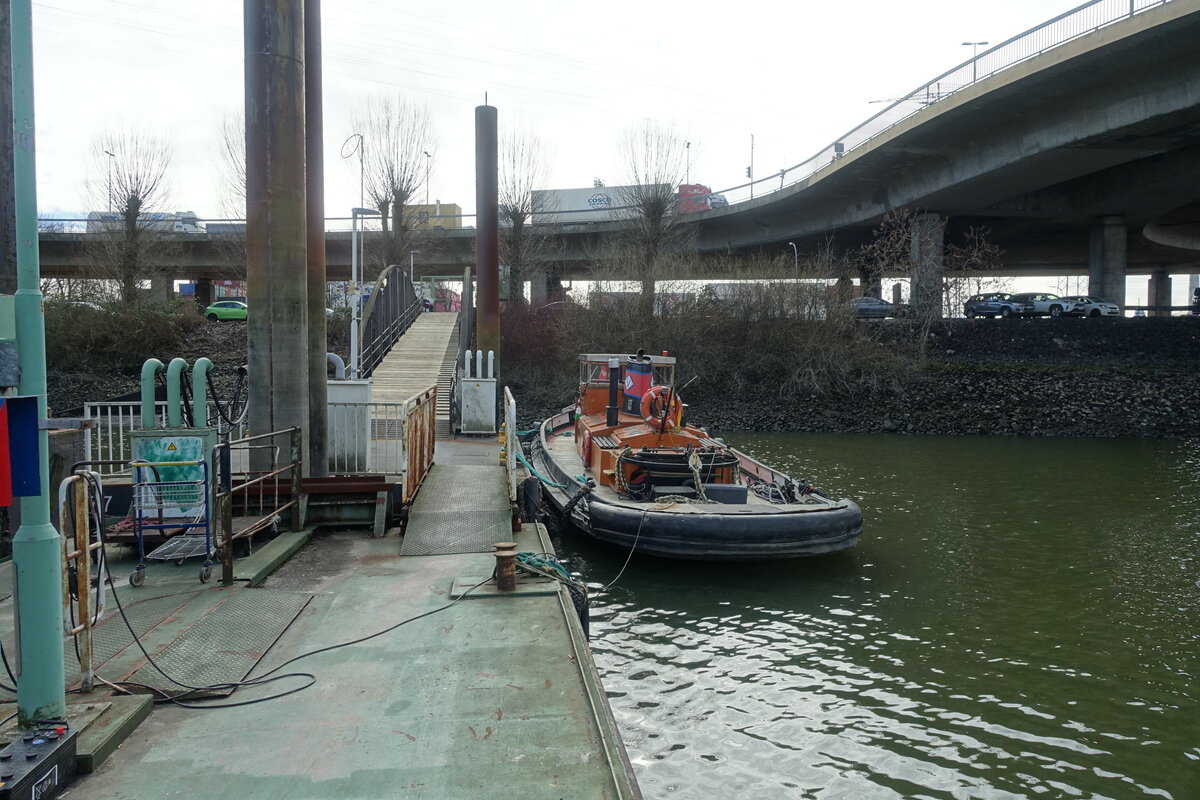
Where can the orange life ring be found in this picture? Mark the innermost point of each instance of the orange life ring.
(586, 448)
(653, 410)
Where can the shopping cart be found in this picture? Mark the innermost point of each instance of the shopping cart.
(172, 495)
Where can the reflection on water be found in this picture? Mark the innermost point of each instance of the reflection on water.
(1018, 620)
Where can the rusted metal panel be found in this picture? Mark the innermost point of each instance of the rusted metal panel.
(316, 463)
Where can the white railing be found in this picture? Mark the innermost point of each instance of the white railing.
(366, 438)
(109, 438)
(510, 443)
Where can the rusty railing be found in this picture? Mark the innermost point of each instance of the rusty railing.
(75, 518)
(420, 431)
(266, 489)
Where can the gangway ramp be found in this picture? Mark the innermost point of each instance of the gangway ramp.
(415, 362)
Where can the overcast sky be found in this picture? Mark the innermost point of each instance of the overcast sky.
(794, 74)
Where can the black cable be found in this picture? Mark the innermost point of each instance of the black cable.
(265, 678)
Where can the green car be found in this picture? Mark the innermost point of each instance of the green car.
(225, 309)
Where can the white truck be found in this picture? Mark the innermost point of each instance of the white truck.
(591, 204)
(177, 222)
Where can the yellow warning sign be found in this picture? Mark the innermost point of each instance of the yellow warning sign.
(171, 447)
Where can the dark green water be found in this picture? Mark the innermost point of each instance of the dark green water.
(1018, 620)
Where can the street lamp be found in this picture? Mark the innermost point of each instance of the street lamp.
(974, 55)
(412, 275)
(111, 155)
(428, 158)
(356, 285)
(688, 170)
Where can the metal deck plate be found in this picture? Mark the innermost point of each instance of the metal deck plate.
(460, 509)
(227, 642)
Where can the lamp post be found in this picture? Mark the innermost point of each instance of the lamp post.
(428, 159)
(412, 275)
(111, 155)
(974, 54)
(795, 259)
(688, 170)
(356, 285)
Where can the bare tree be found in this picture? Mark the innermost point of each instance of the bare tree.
(524, 167)
(129, 178)
(655, 158)
(397, 135)
(974, 261)
(230, 238)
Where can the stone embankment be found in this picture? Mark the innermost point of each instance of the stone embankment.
(1033, 377)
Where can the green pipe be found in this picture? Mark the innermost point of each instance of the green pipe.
(175, 372)
(36, 547)
(149, 369)
(200, 392)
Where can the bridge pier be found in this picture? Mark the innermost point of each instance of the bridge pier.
(1107, 259)
(927, 238)
(1159, 293)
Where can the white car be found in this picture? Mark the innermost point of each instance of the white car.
(1045, 305)
(1093, 307)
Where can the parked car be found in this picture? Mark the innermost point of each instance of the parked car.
(226, 309)
(1093, 307)
(1046, 305)
(996, 304)
(875, 308)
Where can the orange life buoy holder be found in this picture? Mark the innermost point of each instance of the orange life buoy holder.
(661, 402)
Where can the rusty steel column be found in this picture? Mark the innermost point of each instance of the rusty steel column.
(487, 233)
(317, 461)
(276, 247)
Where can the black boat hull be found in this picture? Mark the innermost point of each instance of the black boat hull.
(718, 533)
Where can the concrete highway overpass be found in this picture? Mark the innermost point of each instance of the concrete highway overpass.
(1083, 159)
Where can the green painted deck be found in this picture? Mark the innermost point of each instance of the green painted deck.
(496, 695)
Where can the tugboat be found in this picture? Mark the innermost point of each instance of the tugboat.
(624, 466)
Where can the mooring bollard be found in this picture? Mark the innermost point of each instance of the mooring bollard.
(506, 569)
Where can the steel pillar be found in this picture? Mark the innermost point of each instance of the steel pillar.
(276, 247)
(37, 547)
(1106, 259)
(8, 232)
(487, 232)
(318, 390)
(927, 237)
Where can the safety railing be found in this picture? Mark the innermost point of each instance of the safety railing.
(366, 438)
(420, 412)
(510, 443)
(390, 311)
(258, 494)
(80, 502)
(108, 438)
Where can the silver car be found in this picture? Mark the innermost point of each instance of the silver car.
(1046, 305)
(1093, 307)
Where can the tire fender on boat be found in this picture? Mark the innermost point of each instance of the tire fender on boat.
(653, 401)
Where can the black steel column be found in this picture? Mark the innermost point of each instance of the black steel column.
(317, 461)
(487, 232)
(276, 257)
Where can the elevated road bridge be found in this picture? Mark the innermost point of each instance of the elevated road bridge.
(1076, 144)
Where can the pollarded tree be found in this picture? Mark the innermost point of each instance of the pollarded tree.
(524, 167)
(128, 178)
(655, 160)
(398, 146)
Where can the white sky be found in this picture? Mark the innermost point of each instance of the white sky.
(795, 74)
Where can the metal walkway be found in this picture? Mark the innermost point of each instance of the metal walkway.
(415, 362)
(460, 509)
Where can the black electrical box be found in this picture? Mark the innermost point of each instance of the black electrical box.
(38, 765)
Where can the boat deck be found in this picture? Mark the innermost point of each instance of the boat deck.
(495, 695)
(562, 448)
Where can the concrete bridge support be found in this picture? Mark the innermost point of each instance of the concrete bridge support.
(927, 238)
(1106, 259)
(1159, 293)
